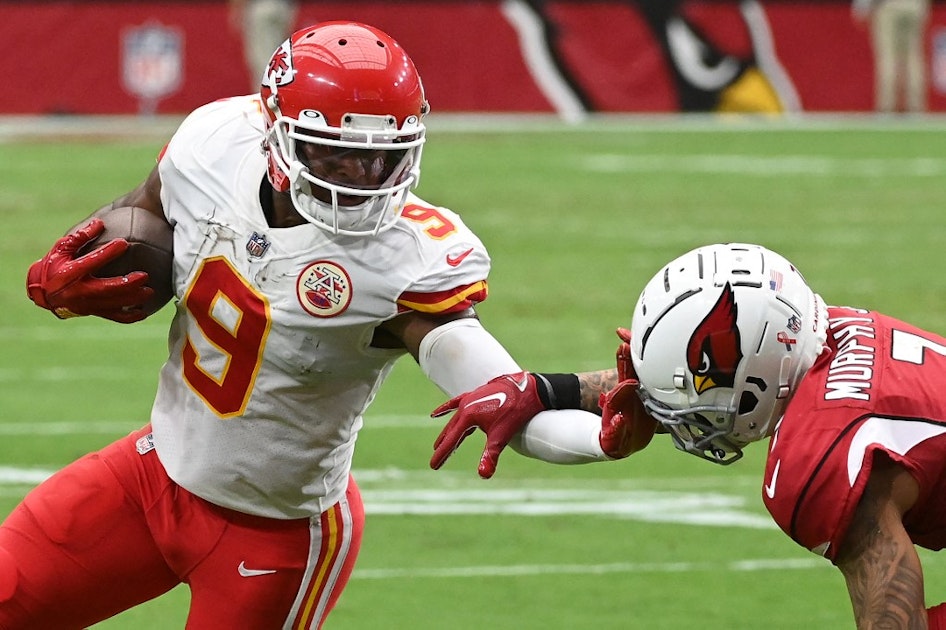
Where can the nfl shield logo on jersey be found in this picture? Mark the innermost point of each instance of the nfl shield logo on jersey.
(145, 444)
(257, 245)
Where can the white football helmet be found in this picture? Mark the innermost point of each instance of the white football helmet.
(720, 339)
(342, 104)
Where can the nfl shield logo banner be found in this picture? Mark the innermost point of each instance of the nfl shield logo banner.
(152, 61)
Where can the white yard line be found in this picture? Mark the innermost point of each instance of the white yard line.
(701, 509)
(54, 334)
(707, 508)
(39, 428)
(765, 165)
(77, 427)
(13, 476)
(417, 493)
(72, 374)
(740, 566)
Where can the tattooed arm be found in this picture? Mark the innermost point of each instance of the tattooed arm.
(592, 385)
(879, 562)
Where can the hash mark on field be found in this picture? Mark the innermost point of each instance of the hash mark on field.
(740, 566)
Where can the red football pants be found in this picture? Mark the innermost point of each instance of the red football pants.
(111, 530)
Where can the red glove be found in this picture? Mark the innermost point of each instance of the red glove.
(62, 281)
(500, 409)
(626, 426)
(936, 617)
(623, 356)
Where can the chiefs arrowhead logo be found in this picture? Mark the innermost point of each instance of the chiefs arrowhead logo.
(280, 70)
(715, 350)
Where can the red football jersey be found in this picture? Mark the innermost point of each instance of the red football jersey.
(880, 387)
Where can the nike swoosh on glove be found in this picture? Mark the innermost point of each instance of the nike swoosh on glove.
(499, 408)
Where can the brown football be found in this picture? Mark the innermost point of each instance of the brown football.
(150, 241)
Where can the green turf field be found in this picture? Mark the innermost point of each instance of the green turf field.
(576, 219)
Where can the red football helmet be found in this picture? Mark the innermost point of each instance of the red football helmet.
(343, 105)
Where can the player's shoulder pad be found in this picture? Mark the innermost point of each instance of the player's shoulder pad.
(446, 243)
(215, 128)
(456, 262)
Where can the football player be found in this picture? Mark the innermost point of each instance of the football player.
(303, 267)
(730, 346)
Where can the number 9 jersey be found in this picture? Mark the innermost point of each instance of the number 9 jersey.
(270, 367)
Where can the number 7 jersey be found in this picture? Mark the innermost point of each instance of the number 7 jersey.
(270, 366)
(880, 387)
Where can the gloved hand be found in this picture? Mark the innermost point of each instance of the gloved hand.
(500, 408)
(626, 426)
(62, 281)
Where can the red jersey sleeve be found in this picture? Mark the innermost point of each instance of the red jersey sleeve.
(878, 388)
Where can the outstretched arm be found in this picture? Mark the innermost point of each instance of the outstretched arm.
(559, 418)
(879, 562)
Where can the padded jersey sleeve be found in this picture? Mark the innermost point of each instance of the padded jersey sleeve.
(209, 136)
(816, 507)
(457, 263)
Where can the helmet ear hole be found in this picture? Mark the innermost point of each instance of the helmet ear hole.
(747, 402)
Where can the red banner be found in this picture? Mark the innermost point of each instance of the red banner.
(505, 56)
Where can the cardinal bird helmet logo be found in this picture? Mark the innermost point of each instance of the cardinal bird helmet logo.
(715, 350)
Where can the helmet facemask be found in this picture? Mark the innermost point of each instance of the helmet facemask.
(351, 179)
(702, 430)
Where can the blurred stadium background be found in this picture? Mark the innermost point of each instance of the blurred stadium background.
(565, 56)
(577, 215)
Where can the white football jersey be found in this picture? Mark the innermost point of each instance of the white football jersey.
(270, 368)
